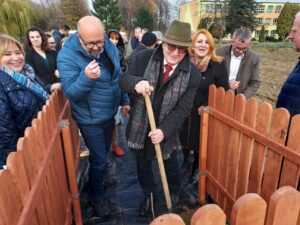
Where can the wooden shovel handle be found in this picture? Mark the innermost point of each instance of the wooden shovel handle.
(158, 153)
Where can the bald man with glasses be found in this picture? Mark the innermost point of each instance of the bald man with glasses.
(89, 68)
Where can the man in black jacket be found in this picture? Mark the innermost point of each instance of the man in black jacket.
(168, 69)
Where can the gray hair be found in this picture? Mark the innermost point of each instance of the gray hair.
(243, 34)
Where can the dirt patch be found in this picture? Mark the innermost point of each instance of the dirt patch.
(275, 66)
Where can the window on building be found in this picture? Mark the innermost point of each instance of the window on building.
(275, 21)
(218, 7)
(268, 21)
(270, 9)
(257, 32)
(261, 8)
(208, 8)
(278, 8)
(259, 21)
(273, 32)
(266, 33)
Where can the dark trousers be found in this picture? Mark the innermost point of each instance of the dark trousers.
(98, 140)
(145, 173)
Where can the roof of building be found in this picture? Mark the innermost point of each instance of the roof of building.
(278, 1)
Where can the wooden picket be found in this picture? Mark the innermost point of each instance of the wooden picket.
(246, 147)
(250, 209)
(39, 187)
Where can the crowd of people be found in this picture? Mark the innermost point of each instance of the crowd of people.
(104, 87)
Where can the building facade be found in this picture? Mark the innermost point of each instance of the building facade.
(268, 12)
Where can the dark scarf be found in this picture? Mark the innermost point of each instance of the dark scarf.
(140, 122)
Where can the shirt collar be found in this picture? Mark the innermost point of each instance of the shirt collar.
(173, 67)
(239, 57)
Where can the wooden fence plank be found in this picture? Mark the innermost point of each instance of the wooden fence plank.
(284, 207)
(290, 171)
(234, 150)
(263, 123)
(41, 142)
(249, 209)
(168, 219)
(272, 169)
(246, 148)
(211, 190)
(203, 156)
(10, 198)
(217, 136)
(224, 143)
(69, 157)
(210, 214)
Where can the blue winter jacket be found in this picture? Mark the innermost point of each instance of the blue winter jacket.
(18, 107)
(92, 101)
(289, 96)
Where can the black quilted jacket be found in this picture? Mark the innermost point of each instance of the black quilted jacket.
(18, 106)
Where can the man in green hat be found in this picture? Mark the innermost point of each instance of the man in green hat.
(168, 69)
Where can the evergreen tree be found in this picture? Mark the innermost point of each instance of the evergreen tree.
(73, 10)
(241, 13)
(216, 30)
(144, 18)
(202, 24)
(261, 37)
(286, 19)
(108, 12)
(15, 17)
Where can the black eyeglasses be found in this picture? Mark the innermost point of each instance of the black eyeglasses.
(52, 43)
(92, 44)
(172, 48)
(240, 49)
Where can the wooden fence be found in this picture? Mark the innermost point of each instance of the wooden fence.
(246, 147)
(250, 209)
(39, 185)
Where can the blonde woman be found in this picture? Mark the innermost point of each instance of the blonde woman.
(213, 71)
(22, 95)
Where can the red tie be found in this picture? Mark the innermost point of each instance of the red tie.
(167, 73)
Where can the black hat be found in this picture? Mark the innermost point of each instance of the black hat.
(149, 39)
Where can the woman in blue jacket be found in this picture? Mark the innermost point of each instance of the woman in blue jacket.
(22, 95)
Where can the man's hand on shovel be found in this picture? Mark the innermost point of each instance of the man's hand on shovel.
(143, 87)
(156, 136)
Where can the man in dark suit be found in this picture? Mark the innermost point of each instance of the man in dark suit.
(242, 63)
(289, 96)
(175, 79)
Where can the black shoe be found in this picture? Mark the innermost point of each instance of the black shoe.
(145, 206)
(109, 182)
(176, 204)
(102, 209)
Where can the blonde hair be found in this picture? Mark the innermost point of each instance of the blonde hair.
(6, 41)
(212, 47)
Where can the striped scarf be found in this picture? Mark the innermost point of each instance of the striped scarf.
(140, 122)
(27, 80)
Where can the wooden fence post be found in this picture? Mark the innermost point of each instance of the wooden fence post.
(70, 162)
(210, 214)
(203, 155)
(249, 209)
(284, 207)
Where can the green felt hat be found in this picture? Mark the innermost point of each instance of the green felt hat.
(179, 33)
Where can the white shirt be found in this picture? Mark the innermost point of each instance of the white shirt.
(235, 63)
